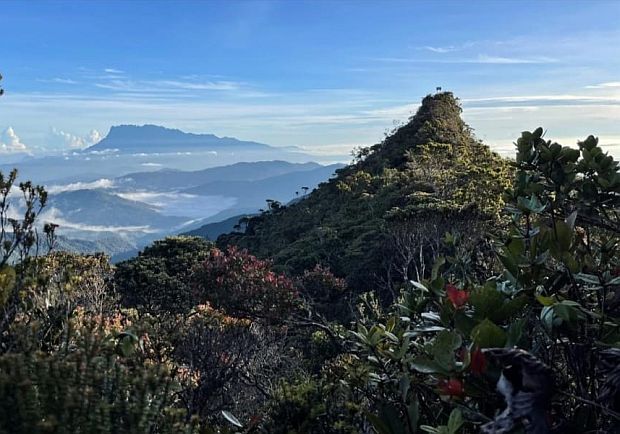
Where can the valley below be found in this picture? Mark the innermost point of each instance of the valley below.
(129, 190)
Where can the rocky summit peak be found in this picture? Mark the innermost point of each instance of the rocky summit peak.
(438, 119)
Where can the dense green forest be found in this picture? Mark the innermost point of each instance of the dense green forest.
(430, 286)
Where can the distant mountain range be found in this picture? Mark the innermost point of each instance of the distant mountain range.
(96, 210)
(154, 138)
(211, 231)
(111, 245)
(167, 179)
(130, 148)
(254, 193)
(144, 182)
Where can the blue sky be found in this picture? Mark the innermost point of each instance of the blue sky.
(326, 76)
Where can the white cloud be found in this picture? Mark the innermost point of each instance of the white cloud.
(155, 198)
(11, 143)
(102, 183)
(607, 85)
(209, 85)
(500, 126)
(65, 139)
(483, 58)
(94, 137)
(441, 49)
(334, 149)
(54, 215)
(498, 116)
(113, 71)
(181, 204)
(105, 151)
(401, 112)
(542, 99)
(58, 80)
(167, 85)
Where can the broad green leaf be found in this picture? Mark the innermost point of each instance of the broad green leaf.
(515, 332)
(438, 263)
(391, 416)
(418, 285)
(403, 386)
(425, 366)
(413, 413)
(571, 219)
(488, 335)
(455, 421)
(486, 301)
(444, 345)
(464, 323)
(510, 264)
(564, 235)
(516, 246)
(546, 301)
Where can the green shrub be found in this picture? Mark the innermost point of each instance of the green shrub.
(91, 385)
(159, 278)
(433, 359)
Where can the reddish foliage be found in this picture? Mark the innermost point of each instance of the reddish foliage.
(244, 285)
(457, 297)
(451, 387)
(321, 285)
(478, 364)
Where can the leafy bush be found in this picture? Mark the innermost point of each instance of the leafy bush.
(326, 293)
(434, 358)
(18, 239)
(159, 278)
(68, 362)
(52, 288)
(86, 386)
(243, 285)
(227, 363)
(314, 405)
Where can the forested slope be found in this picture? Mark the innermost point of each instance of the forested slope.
(428, 177)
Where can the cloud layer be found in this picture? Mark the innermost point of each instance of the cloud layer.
(102, 183)
(10, 143)
(64, 139)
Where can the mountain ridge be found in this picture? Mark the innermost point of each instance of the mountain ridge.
(156, 138)
(280, 186)
(429, 175)
(249, 171)
(99, 208)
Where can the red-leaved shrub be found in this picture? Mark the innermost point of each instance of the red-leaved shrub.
(243, 285)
